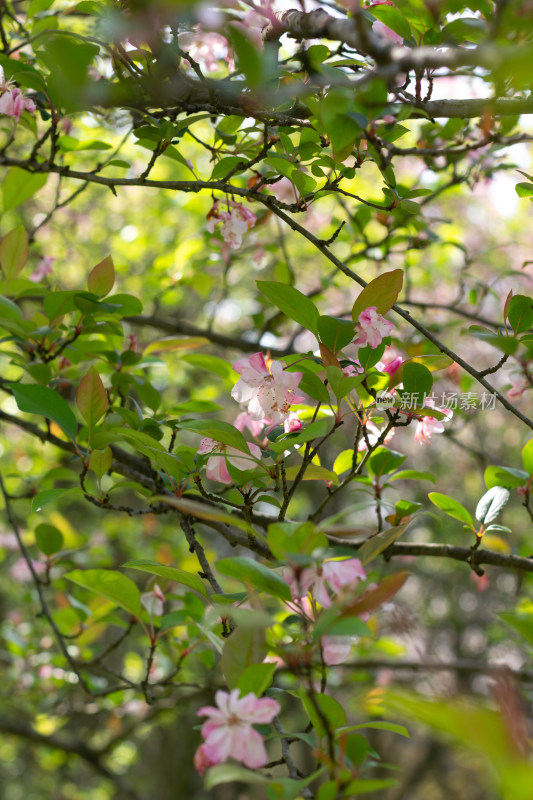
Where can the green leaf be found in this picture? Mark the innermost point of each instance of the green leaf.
(91, 399)
(314, 387)
(335, 333)
(256, 574)
(232, 773)
(34, 399)
(171, 343)
(293, 303)
(313, 431)
(412, 474)
(520, 622)
(505, 476)
(13, 252)
(9, 309)
(524, 189)
(256, 678)
(169, 573)
(110, 584)
(102, 277)
(343, 132)
(314, 472)
(57, 304)
(68, 61)
(248, 56)
(365, 786)
(244, 647)
(382, 293)
(393, 727)
(393, 19)
(520, 313)
(217, 430)
(100, 461)
(286, 538)
(201, 511)
(48, 496)
(527, 457)
(48, 538)
(20, 185)
(378, 544)
(432, 362)
(417, 382)
(225, 165)
(330, 709)
(383, 461)
(451, 507)
(340, 384)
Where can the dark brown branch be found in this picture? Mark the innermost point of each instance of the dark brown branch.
(187, 329)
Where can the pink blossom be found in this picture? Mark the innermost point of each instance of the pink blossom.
(284, 191)
(392, 366)
(12, 101)
(255, 426)
(228, 732)
(208, 48)
(336, 649)
(269, 393)
(216, 469)
(21, 572)
(338, 575)
(372, 327)
(43, 268)
(372, 435)
(153, 601)
(517, 389)
(235, 222)
(427, 426)
(353, 369)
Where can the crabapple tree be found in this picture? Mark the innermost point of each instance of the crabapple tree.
(266, 357)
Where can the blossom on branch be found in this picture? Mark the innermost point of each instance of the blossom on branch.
(13, 102)
(372, 328)
(336, 649)
(216, 468)
(43, 268)
(338, 575)
(228, 732)
(427, 426)
(235, 222)
(371, 435)
(269, 391)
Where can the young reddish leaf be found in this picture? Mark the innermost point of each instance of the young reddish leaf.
(91, 398)
(382, 293)
(373, 598)
(13, 252)
(506, 306)
(329, 359)
(102, 277)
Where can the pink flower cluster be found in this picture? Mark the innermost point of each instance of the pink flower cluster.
(216, 467)
(337, 575)
(269, 391)
(13, 102)
(427, 426)
(207, 47)
(229, 733)
(235, 222)
(372, 328)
